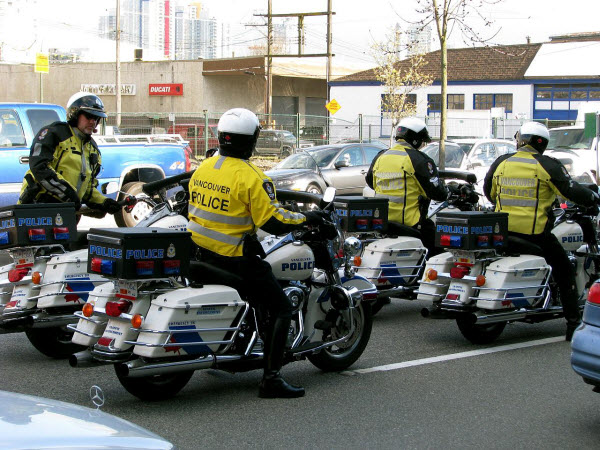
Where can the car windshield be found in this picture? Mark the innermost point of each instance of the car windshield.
(322, 156)
(454, 154)
(573, 138)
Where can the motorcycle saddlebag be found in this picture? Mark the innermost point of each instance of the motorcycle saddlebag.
(361, 213)
(513, 282)
(393, 262)
(471, 230)
(37, 224)
(138, 253)
(193, 321)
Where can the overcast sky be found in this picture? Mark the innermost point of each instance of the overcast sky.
(356, 25)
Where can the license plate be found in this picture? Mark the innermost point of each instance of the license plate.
(464, 257)
(23, 257)
(127, 289)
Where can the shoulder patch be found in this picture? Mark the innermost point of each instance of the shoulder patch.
(430, 167)
(269, 189)
(565, 172)
(43, 134)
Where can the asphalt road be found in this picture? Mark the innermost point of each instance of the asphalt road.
(523, 395)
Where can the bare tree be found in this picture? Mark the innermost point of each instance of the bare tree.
(399, 78)
(448, 15)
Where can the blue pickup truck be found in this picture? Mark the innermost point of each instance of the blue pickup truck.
(126, 163)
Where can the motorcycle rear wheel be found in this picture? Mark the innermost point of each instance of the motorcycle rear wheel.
(54, 342)
(342, 356)
(155, 388)
(480, 334)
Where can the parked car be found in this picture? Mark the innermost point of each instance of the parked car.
(585, 351)
(35, 422)
(314, 133)
(577, 140)
(577, 165)
(280, 143)
(342, 166)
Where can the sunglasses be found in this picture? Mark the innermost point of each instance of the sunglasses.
(89, 116)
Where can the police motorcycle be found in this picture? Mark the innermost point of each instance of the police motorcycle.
(46, 282)
(162, 327)
(483, 286)
(393, 257)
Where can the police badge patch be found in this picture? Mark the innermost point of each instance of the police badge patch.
(430, 167)
(564, 169)
(269, 189)
(43, 134)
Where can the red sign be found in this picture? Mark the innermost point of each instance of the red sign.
(165, 89)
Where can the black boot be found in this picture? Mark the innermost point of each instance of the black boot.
(571, 327)
(272, 384)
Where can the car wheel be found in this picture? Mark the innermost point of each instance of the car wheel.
(314, 189)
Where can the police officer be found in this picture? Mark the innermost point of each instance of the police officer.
(64, 160)
(230, 198)
(524, 185)
(409, 179)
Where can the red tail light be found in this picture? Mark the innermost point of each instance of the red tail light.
(115, 309)
(459, 272)
(594, 294)
(15, 275)
(188, 160)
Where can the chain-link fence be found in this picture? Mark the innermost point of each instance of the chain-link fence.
(200, 129)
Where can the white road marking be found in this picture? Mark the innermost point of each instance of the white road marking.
(441, 358)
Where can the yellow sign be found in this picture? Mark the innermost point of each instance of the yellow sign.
(333, 106)
(41, 63)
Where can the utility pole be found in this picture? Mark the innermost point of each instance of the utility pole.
(269, 56)
(269, 99)
(118, 81)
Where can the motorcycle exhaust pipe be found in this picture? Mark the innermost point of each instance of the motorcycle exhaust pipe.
(138, 368)
(50, 321)
(84, 359)
(485, 319)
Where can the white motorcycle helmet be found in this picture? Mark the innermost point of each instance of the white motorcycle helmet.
(534, 134)
(238, 132)
(414, 131)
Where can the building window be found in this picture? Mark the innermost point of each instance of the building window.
(434, 102)
(456, 101)
(483, 101)
(487, 101)
(411, 99)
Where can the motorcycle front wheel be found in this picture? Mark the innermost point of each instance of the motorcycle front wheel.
(155, 388)
(341, 356)
(54, 342)
(480, 334)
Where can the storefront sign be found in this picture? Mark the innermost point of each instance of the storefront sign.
(165, 89)
(108, 89)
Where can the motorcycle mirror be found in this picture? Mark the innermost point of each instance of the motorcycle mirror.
(329, 194)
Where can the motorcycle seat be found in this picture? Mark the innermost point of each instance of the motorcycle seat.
(517, 246)
(204, 273)
(399, 229)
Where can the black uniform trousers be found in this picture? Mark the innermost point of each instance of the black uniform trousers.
(562, 270)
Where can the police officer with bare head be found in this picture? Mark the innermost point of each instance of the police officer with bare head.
(64, 160)
(409, 179)
(525, 185)
(230, 199)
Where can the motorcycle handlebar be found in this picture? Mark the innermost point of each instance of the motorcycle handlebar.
(459, 175)
(153, 187)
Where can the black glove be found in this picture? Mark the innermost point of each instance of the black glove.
(316, 217)
(71, 195)
(111, 206)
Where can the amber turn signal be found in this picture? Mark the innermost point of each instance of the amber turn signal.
(136, 321)
(36, 277)
(357, 261)
(480, 280)
(431, 274)
(88, 310)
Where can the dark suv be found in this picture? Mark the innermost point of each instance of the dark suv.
(280, 143)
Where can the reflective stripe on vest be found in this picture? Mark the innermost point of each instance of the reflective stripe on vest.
(214, 235)
(221, 218)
